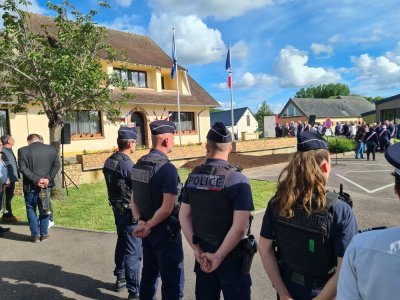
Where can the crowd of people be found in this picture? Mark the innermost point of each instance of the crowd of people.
(308, 243)
(369, 137)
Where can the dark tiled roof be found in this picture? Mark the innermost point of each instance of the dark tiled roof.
(368, 113)
(388, 99)
(343, 106)
(199, 96)
(143, 51)
(225, 116)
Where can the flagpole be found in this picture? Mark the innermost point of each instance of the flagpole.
(231, 90)
(177, 92)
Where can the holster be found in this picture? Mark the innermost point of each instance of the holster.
(245, 250)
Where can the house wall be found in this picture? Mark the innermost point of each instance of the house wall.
(393, 104)
(23, 124)
(241, 125)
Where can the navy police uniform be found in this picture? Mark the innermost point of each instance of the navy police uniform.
(308, 246)
(214, 191)
(128, 251)
(153, 176)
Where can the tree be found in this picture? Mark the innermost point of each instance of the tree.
(373, 99)
(331, 90)
(59, 69)
(263, 110)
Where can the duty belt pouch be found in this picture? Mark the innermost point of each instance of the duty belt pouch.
(46, 204)
(249, 247)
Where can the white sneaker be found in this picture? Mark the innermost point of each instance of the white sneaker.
(51, 224)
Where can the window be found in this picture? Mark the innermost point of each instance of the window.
(248, 120)
(187, 120)
(85, 122)
(162, 83)
(134, 78)
(291, 111)
(4, 122)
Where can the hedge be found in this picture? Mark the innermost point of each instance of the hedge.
(341, 144)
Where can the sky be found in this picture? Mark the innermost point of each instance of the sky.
(278, 46)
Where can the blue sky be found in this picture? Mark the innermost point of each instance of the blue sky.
(279, 46)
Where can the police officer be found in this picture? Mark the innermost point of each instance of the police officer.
(310, 226)
(384, 138)
(156, 188)
(128, 251)
(214, 216)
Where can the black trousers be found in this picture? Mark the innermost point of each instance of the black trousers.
(371, 147)
(9, 194)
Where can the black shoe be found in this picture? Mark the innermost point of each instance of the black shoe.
(3, 230)
(120, 284)
(133, 296)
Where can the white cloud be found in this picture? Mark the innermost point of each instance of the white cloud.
(334, 39)
(376, 35)
(240, 50)
(124, 3)
(221, 9)
(291, 68)
(250, 80)
(196, 43)
(382, 72)
(319, 49)
(126, 23)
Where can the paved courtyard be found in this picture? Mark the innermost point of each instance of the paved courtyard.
(77, 264)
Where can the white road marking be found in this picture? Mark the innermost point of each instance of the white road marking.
(363, 188)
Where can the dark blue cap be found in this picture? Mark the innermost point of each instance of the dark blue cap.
(392, 155)
(310, 140)
(127, 133)
(219, 134)
(162, 126)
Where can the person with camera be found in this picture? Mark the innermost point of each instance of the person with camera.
(371, 263)
(214, 216)
(128, 251)
(155, 202)
(306, 229)
(39, 164)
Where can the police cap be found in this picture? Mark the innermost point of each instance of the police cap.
(392, 155)
(162, 126)
(310, 140)
(219, 134)
(127, 133)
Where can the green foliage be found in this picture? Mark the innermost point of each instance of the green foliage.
(58, 69)
(88, 208)
(341, 144)
(215, 110)
(373, 99)
(264, 110)
(396, 141)
(330, 90)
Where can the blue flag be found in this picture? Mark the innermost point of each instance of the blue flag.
(228, 60)
(174, 66)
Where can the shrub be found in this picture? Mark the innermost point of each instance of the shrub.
(396, 141)
(341, 144)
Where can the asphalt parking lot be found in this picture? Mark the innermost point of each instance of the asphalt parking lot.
(76, 264)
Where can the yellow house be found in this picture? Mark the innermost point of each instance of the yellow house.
(148, 72)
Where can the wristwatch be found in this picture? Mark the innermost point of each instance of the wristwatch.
(134, 220)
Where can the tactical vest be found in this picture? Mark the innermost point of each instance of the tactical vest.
(303, 240)
(118, 190)
(212, 212)
(147, 200)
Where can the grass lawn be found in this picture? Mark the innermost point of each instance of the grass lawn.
(88, 208)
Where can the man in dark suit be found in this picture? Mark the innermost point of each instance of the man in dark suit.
(39, 164)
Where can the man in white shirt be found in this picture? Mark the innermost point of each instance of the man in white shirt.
(371, 264)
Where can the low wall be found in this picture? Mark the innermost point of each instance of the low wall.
(264, 144)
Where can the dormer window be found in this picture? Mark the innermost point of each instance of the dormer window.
(134, 78)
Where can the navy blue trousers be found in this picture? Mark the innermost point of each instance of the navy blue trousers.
(226, 278)
(162, 257)
(128, 251)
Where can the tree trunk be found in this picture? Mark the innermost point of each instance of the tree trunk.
(55, 138)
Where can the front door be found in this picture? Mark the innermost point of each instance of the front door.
(138, 120)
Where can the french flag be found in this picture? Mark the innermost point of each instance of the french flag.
(228, 67)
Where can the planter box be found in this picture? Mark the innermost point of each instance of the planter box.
(264, 144)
